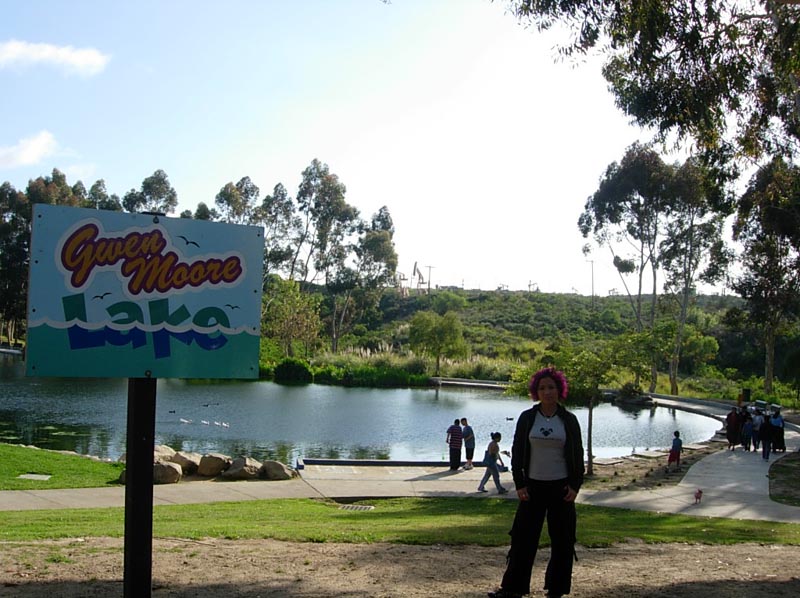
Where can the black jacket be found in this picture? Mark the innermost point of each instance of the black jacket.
(573, 447)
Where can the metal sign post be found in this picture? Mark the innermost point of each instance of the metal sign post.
(138, 578)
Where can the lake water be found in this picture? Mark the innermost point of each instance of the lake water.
(266, 420)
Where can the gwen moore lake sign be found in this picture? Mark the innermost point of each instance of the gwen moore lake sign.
(136, 295)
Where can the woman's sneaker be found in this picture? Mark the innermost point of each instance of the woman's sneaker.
(482, 489)
(502, 491)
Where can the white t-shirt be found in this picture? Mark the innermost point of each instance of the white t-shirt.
(547, 438)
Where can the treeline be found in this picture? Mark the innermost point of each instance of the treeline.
(314, 239)
(330, 277)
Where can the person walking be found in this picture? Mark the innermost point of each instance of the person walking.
(547, 462)
(675, 451)
(766, 436)
(469, 442)
(490, 459)
(758, 421)
(733, 426)
(777, 426)
(454, 440)
(747, 431)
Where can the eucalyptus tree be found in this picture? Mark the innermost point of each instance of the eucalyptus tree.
(52, 190)
(238, 204)
(156, 194)
(203, 212)
(768, 225)
(99, 199)
(359, 280)
(693, 249)
(625, 215)
(324, 221)
(720, 73)
(14, 244)
(277, 215)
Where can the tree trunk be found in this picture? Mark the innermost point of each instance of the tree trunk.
(673, 375)
(652, 324)
(653, 376)
(589, 456)
(769, 358)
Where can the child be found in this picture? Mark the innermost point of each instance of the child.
(490, 459)
(675, 452)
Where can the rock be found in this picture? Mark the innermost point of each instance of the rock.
(243, 468)
(165, 472)
(162, 452)
(213, 464)
(275, 470)
(189, 462)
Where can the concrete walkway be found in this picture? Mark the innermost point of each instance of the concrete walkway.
(734, 484)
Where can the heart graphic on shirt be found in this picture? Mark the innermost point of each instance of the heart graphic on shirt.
(546, 431)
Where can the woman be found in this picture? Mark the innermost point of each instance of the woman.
(490, 458)
(547, 465)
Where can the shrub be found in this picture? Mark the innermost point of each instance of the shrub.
(630, 390)
(293, 371)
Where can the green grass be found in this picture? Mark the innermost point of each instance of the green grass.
(453, 521)
(65, 471)
(456, 521)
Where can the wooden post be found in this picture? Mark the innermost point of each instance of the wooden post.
(138, 578)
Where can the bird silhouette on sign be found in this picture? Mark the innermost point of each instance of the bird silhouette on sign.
(103, 296)
(187, 241)
(231, 306)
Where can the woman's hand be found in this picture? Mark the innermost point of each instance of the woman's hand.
(570, 495)
(522, 493)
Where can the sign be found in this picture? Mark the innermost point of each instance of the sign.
(136, 295)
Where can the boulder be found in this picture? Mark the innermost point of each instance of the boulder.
(162, 452)
(243, 468)
(189, 462)
(165, 472)
(213, 464)
(275, 470)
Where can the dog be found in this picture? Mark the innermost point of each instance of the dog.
(698, 496)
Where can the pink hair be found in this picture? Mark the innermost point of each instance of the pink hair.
(558, 377)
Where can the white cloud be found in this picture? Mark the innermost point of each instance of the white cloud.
(84, 62)
(28, 151)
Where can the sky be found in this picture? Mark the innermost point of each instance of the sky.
(463, 123)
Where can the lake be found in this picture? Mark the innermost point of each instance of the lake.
(270, 421)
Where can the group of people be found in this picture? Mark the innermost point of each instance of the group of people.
(461, 432)
(747, 426)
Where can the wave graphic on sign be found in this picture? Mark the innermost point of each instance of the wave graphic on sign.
(189, 327)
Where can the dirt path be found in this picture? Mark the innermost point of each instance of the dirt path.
(268, 568)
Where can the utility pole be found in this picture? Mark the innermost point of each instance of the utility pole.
(592, 263)
(429, 278)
